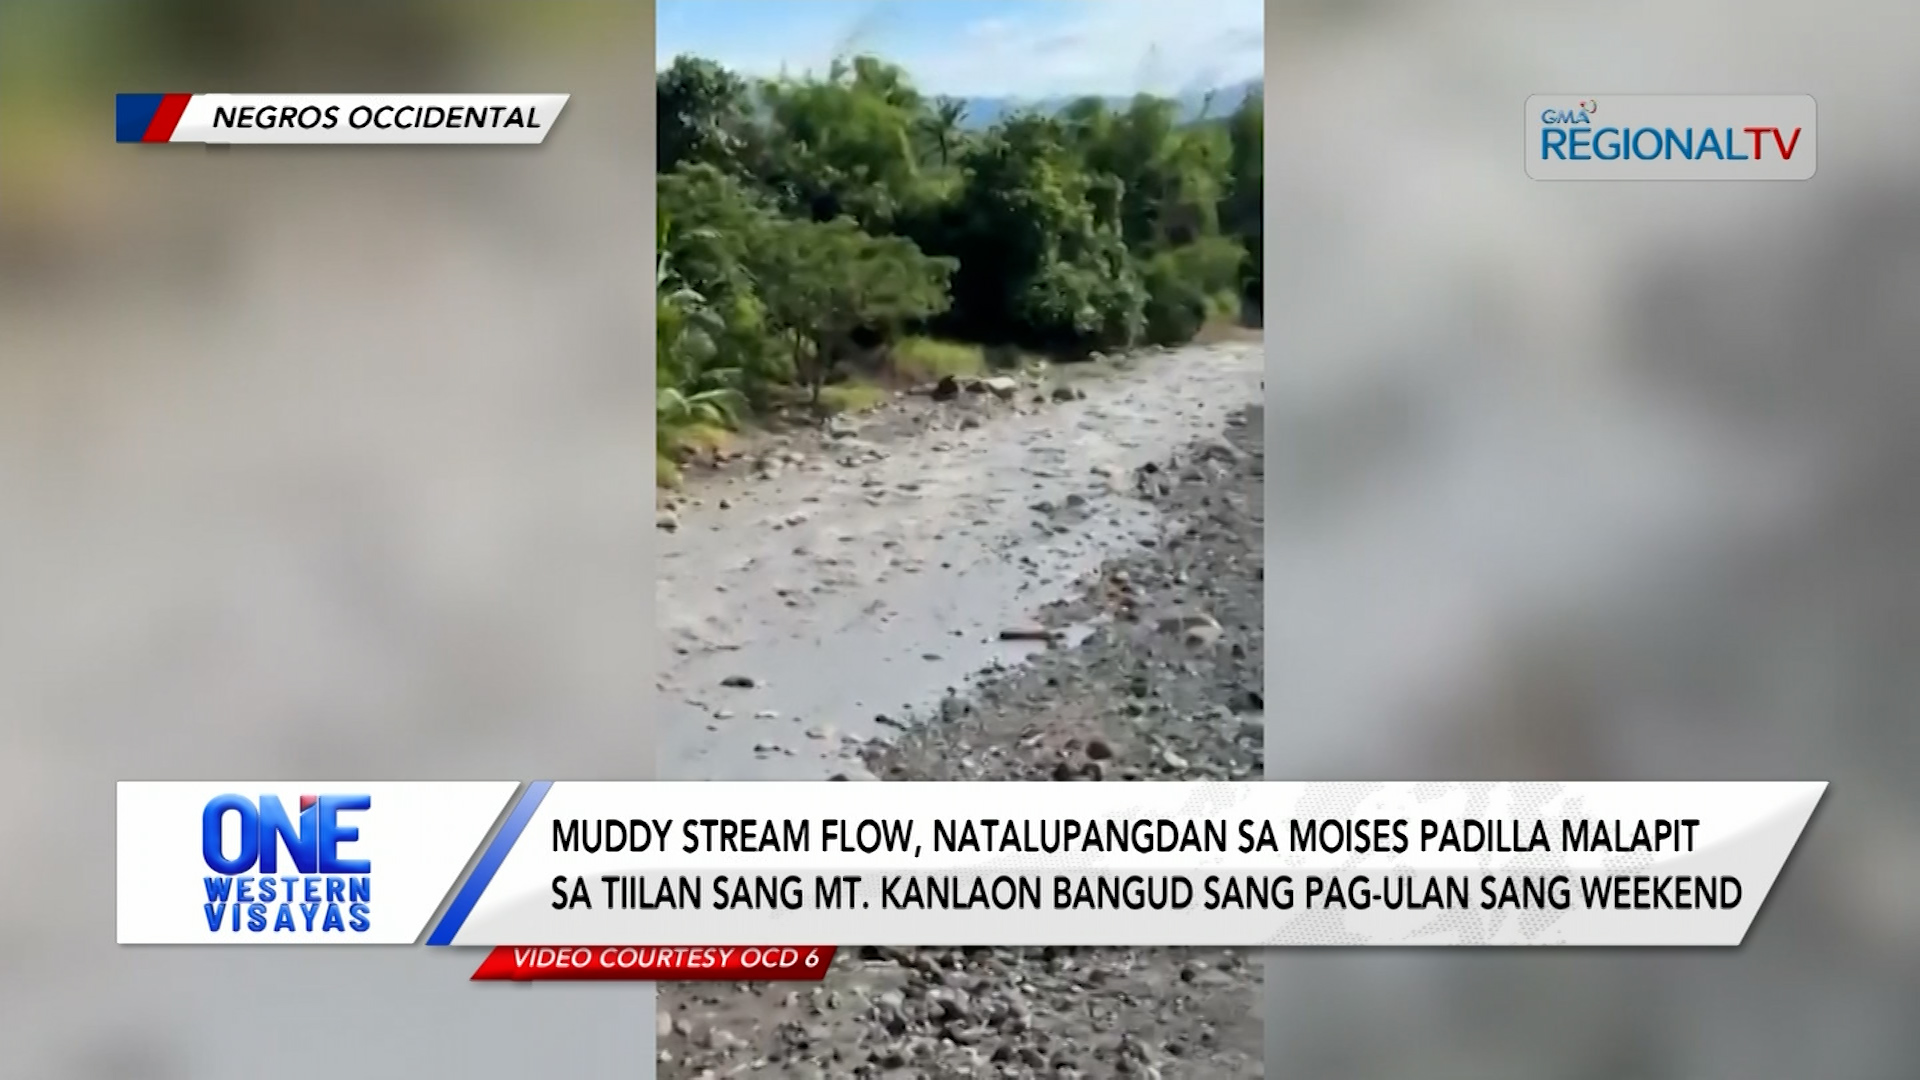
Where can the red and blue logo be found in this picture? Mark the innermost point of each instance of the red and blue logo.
(147, 117)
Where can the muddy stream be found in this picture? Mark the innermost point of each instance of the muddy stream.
(870, 579)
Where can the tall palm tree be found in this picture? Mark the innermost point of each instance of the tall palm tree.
(943, 124)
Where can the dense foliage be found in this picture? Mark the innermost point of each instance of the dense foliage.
(806, 225)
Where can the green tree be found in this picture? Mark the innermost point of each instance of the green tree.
(943, 126)
(719, 221)
(826, 281)
(693, 391)
(844, 145)
(704, 115)
(1242, 206)
(814, 219)
(1042, 262)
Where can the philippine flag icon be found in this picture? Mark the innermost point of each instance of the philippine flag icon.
(147, 117)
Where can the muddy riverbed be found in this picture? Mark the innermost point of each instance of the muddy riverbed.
(868, 571)
(1155, 576)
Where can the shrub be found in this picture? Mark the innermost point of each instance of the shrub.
(1176, 307)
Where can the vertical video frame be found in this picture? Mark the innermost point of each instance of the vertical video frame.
(959, 465)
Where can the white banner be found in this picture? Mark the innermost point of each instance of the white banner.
(391, 119)
(1141, 864)
(1216, 864)
(1671, 137)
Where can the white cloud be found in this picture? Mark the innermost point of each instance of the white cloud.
(1092, 46)
(1109, 46)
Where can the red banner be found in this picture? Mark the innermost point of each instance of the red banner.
(655, 963)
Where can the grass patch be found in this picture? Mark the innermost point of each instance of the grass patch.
(851, 397)
(700, 438)
(923, 359)
(1224, 331)
(676, 444)
(666, 473)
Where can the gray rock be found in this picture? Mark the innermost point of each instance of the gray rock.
(1001, 387)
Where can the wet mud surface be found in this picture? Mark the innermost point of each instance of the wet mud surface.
(1156, 587)
(869, 570)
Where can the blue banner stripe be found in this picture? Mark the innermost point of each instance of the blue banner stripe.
(489, 864)
(132, 113)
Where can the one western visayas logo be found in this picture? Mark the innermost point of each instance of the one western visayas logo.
(317, 888)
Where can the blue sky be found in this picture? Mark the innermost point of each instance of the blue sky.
(1022, 48)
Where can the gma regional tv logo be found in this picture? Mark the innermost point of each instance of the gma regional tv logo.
(1670, 137)
(277, 872)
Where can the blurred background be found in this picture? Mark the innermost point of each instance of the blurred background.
(321, 461)
(314, 461)
(1599, 481)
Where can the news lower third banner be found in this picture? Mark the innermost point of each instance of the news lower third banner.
(293, 119)
(698, 866)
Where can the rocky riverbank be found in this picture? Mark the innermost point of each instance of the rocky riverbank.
(1162, 681)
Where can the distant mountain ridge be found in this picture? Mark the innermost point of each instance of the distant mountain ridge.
(985, 111)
